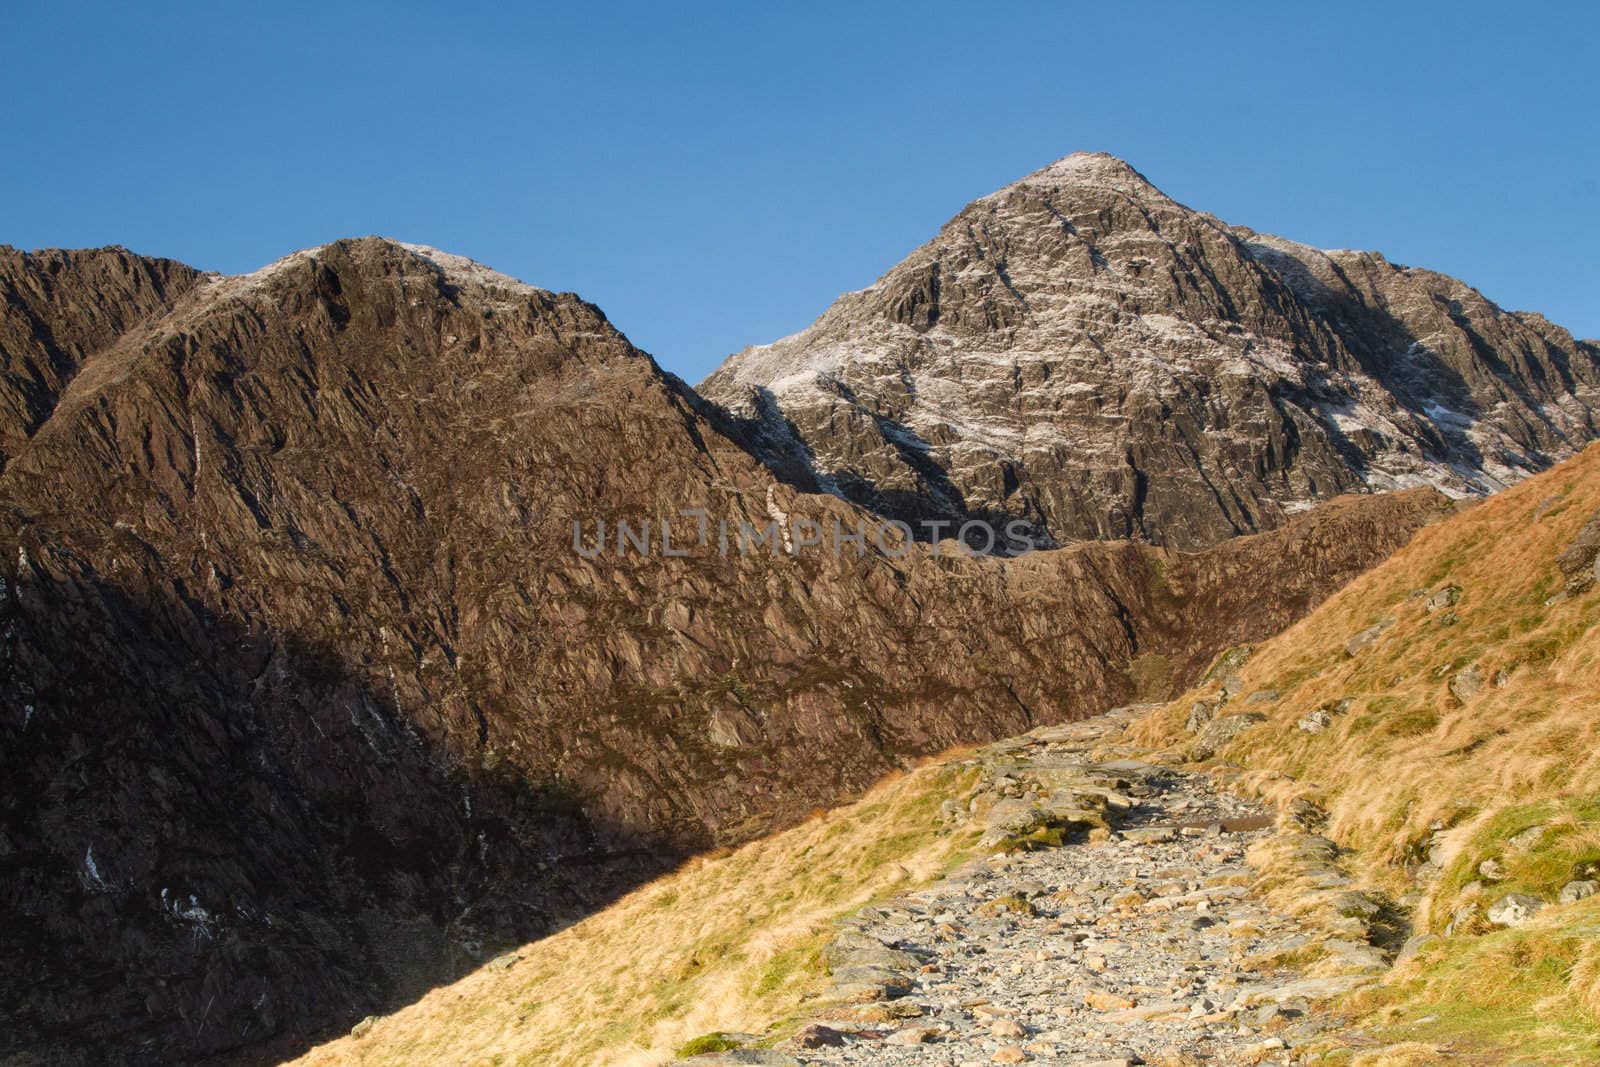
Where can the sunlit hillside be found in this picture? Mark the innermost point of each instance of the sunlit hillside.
(1444, 711)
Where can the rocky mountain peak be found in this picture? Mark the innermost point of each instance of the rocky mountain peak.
(379, 255)
(1084, 170)
(1081, 352)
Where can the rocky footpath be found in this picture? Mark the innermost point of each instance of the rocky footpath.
(1114, 919)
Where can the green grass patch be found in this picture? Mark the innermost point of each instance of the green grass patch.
(1504, 996)
(713, 1042)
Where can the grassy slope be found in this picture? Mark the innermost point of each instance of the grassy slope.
(1408, 761)
(727, 943)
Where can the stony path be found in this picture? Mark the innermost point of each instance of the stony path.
(1136, 941)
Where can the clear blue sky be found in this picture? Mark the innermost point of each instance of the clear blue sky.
(713, 175)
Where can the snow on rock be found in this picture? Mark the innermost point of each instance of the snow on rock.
(461, 270)
(458, 270)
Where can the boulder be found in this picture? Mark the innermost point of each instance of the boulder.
(815, 1035)
(891, 981)
(1526, 840)
(1354, 904)
(851, 948)
(1316, 722)
(1366, 638)
(1467, 684)
(912, 1035)
(1514, 909)
(1151, 835)
(1222, 731)
(1312, 989)
(1580, 563)
(1444, 598)
(1016, 816)
(1101, 1000)
(1201, 713)
(1414, 947)
(1230, 662)
(1575, 891)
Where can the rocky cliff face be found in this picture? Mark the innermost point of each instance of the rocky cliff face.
(55, 309)
(308, 699)
(1082, 352)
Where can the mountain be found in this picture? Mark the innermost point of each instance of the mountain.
(1079, 351)
(310, 698)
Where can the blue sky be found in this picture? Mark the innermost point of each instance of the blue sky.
(713, 175)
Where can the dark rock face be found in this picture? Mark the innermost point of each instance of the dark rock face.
(1080, 351)
(307, 700)
(57, 307)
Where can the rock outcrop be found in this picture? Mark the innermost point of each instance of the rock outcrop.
(58, 307)
(309, 700)
(1081, 352)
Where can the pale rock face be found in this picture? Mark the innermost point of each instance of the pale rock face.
(1079, 351)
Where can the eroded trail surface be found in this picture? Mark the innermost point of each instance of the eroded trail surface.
(1135, 941)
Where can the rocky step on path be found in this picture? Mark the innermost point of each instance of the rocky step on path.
(1114, 925)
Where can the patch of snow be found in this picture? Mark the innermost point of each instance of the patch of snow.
(1439, 414)
(781, 517)
(194, 913)
(1079, 169)
(457, 269)
(1170, 328)
(460, 269)
(240, 284)
(91, 878)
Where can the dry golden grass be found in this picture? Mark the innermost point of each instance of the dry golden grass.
(1514, 996)
(1407, 753)
(1583, 981)
(723, 944)
(1408, 758)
